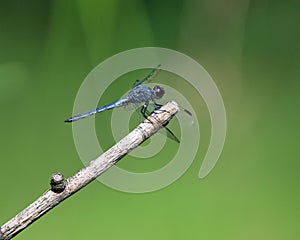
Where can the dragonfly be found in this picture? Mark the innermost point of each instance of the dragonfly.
(138, 95)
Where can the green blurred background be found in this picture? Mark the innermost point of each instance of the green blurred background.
(250, 48)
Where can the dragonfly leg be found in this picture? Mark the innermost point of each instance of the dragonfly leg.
(157, 106)
(146, 113)
(144, 110)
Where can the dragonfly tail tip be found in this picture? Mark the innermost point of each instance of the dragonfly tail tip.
(68, 120)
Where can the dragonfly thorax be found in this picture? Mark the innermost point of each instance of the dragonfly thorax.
(158, 91)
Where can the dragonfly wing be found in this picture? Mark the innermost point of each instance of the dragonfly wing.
(148, 77)
(169, 133)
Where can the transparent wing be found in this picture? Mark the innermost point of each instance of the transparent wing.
(148, 77)
(166, 131)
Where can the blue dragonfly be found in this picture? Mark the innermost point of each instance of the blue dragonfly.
(139, 94)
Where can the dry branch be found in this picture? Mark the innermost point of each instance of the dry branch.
(62, 189)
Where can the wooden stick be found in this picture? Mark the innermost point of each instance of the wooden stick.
(62, 189)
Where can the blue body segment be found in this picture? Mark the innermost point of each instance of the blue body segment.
(118, 103)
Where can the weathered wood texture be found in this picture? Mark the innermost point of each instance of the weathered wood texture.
(87, 174)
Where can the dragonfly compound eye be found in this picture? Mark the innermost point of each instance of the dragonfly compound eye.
(158, 91)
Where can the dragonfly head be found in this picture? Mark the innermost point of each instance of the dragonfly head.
(158, 91)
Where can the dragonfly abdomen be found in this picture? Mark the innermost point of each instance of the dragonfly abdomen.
(119, 103)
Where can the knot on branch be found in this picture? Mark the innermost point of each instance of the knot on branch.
(58, 183)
